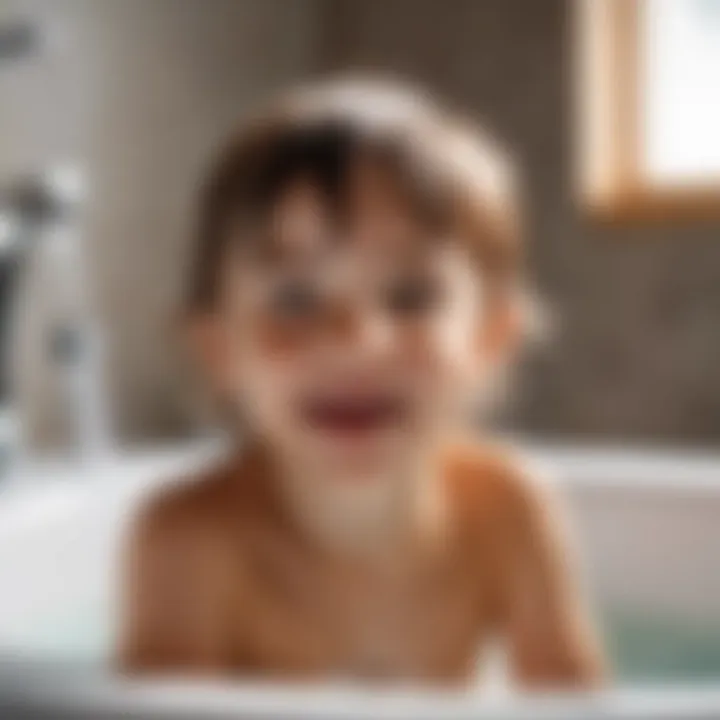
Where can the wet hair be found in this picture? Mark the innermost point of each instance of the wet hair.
(453, 176)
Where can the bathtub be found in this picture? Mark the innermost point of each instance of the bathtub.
(647, 522)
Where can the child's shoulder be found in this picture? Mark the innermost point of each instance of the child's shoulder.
(208, 502)
(493, 480)
(177, 558)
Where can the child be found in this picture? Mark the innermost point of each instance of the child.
(357, 282)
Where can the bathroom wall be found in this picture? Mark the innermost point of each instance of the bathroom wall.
(141, 92)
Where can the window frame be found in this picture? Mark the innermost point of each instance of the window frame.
(609, 109)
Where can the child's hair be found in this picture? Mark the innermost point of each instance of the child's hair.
(451, 173)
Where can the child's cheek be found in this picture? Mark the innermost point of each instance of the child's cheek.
(435, 347)
(420, 348)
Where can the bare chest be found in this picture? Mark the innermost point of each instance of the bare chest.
(304, 617)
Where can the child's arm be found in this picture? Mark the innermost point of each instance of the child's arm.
(552, 640)
(146, 638)
(172, 585)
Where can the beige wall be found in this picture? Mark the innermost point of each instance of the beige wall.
(141, 91)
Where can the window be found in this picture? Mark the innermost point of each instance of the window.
(649, 107)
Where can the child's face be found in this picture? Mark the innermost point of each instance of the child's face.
(352, 348)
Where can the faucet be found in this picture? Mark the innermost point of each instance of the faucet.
(43, 212)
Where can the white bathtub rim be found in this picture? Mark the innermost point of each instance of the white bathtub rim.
(187, 698)
(617, 465)
(38, 493)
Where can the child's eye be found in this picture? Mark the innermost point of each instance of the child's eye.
(294, 299)
(411, 296)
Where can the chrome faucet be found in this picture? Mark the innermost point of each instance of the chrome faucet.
(44, 212)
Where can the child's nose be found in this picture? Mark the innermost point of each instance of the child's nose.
(361, 329)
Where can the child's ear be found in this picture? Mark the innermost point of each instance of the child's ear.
(207, 340)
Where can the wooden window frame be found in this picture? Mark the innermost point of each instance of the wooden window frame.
(609, 119)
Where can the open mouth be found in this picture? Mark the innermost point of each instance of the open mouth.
(352, 415)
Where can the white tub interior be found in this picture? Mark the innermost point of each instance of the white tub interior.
(61, 533)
